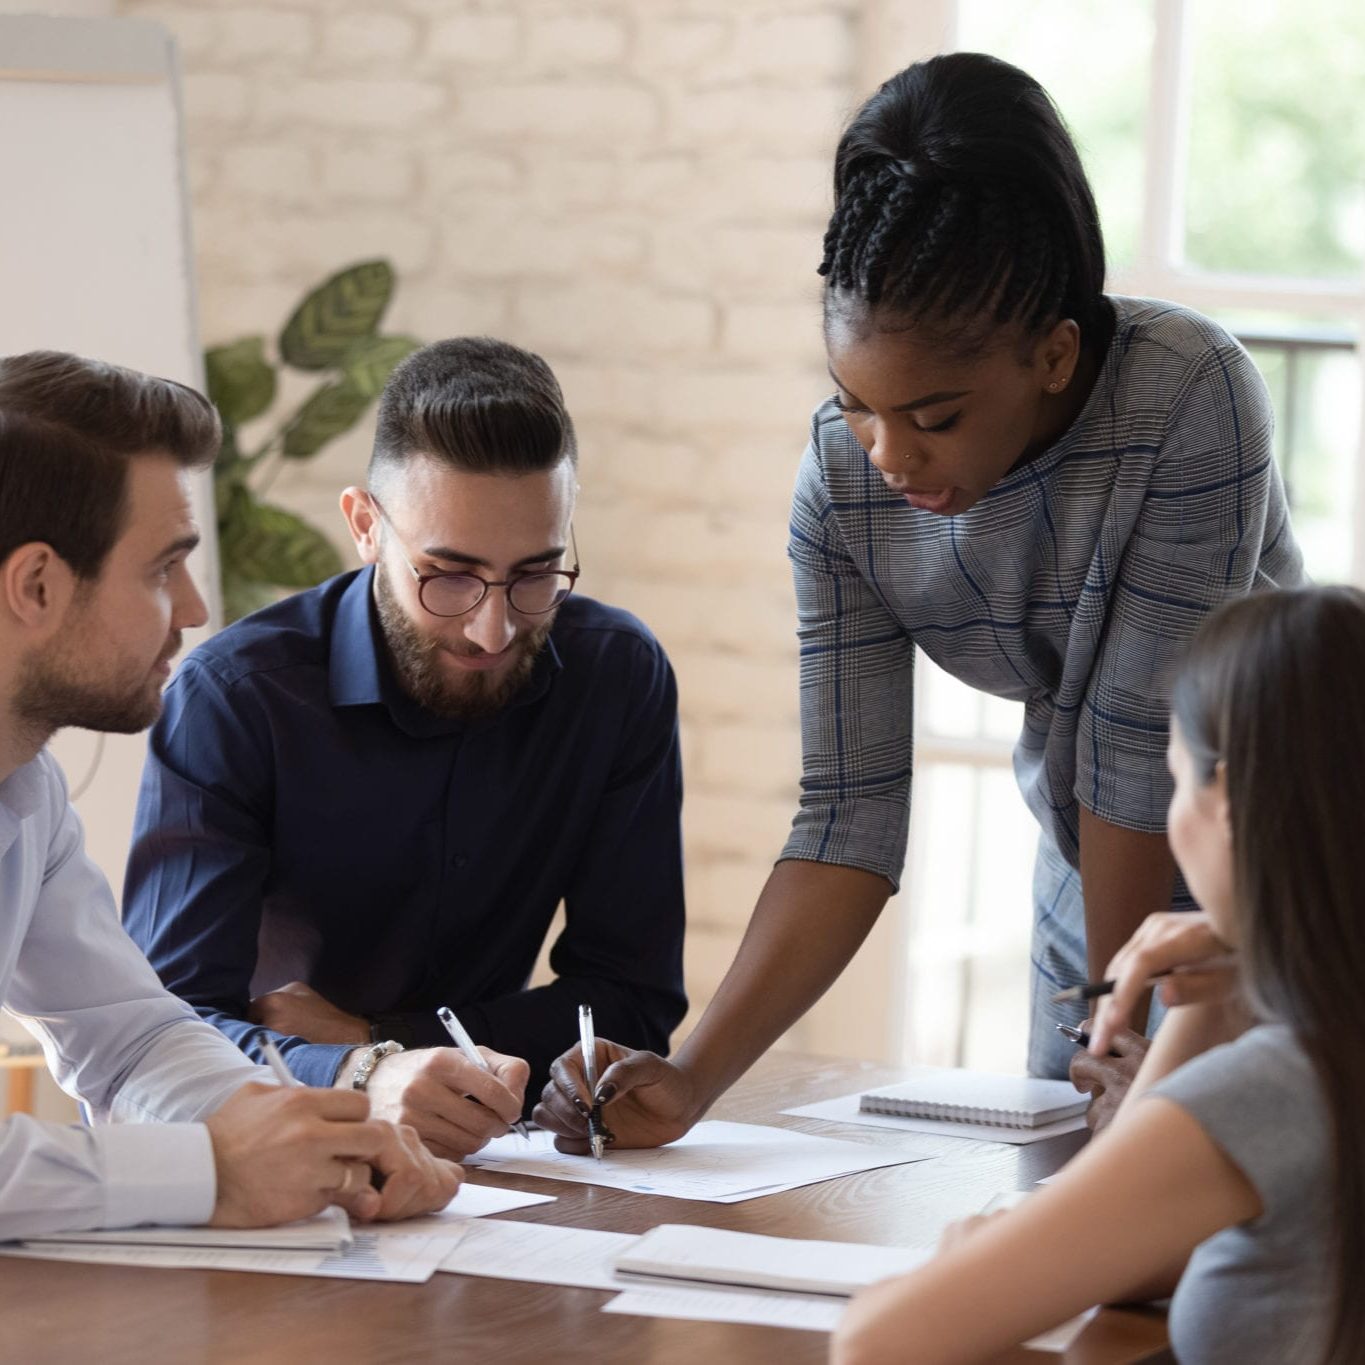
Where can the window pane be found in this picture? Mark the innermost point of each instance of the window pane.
(1103, 101)
(1313, 373)
(1277, 143)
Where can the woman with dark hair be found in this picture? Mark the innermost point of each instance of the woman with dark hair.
(1236, 1168)
(1044, 487)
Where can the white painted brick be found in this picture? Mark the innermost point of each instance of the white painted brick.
(570, 42)
(737, 398)
(752, 757)
(229, 310)
(359, 105)
(244, 244)
(364, 38)
(605, 318)
(603, 114)
(378, 173)
(666, 43)
(790, 48)
(276, 171)
(803, 120)
(451, 171)
(624, 461)
(195, 32)
(557, 183)
(474, 39)
(716, 686)
(721, 824)
(443, 307)
(262, 35)
(506, 244)
(755, 261)
(765, 332)
(214, 98)
(723, 892)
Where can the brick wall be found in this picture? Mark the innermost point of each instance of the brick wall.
(635, 188)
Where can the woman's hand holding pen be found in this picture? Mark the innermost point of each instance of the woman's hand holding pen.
(1181, 943)
(646, 1100)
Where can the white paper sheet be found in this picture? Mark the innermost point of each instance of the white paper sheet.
(328, 1231)
(471, 1201)
(719, 1162)
(845, 1110)
(372, 1256)
(540, 1253)
(808, 1312)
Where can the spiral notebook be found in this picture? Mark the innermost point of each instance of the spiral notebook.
(957, 1096)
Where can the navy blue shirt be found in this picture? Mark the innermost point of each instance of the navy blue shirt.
(302, 818)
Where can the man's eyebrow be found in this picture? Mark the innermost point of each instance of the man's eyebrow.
(454, 556)
(184, 545)
(928, 401)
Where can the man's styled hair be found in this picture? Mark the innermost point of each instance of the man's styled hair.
(477, 404)
(68, 429)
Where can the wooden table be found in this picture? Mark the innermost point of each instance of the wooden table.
(54, 1313)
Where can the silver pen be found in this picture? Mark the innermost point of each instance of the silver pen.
(460, 1036)
(587, 1040)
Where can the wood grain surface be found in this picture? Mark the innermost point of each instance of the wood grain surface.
(54, 1313)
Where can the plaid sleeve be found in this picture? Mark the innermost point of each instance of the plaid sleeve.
(856, 697)
(1212, 510)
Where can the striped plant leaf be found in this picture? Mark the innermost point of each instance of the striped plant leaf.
(371, 360)
(262, 543)
(336, 314)
(241, 381)
(329, 411)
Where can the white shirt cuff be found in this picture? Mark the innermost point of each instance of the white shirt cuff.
(157, 1173)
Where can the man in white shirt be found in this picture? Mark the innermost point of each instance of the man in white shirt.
(95, 529)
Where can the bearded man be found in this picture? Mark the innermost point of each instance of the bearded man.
(368, 800)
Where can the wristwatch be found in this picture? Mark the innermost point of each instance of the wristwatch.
(370, 1059)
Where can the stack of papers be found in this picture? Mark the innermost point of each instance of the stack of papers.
(681, 1252)
(408, 1252)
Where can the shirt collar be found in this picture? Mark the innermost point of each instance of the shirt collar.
(360, 674)
(22, 793)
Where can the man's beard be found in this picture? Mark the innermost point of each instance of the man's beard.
(416, 659)
(56, 689)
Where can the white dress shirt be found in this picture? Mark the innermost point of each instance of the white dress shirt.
(113, 1036)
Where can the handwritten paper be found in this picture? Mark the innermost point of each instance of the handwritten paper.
(718, 1162)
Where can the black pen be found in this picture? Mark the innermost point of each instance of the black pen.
(587, 1040)
(1092, 990)
(1079, 1036)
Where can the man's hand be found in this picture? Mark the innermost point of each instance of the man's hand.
(1106, 1079)
(1181, 942)
(283, 1153)
(299, 1011)
(455, 1106)
(646, 1100)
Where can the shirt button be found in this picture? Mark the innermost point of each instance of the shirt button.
(458, 861)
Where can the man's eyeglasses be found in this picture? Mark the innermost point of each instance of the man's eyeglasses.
(455, 594)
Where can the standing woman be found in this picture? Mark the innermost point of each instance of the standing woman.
(1046, 489)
